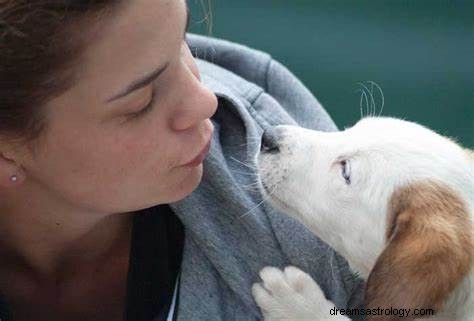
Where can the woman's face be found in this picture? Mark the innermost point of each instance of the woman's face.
(95, 154)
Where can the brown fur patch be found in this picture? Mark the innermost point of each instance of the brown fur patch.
(428, 253)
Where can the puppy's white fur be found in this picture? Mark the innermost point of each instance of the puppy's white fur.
(344, 185)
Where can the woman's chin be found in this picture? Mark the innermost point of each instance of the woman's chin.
(190, 182)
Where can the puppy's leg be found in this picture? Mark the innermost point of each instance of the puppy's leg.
(292, 295)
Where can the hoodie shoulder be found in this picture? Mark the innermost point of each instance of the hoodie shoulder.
(250, 64)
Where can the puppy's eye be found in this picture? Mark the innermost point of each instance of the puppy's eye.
(346, 171)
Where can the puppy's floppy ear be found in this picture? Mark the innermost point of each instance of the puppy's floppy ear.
(428, 252)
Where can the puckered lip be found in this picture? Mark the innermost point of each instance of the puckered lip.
(200, 157)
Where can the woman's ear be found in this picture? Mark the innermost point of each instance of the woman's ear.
(8, 169)
(428, 252)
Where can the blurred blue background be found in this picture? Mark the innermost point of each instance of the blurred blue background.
(420, 53)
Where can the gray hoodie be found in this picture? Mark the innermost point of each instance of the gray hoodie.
(224, 249)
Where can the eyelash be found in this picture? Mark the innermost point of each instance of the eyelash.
(145, 109)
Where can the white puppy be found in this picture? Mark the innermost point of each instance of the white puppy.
(391, 196)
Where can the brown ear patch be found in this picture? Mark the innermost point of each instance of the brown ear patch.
(428, 253)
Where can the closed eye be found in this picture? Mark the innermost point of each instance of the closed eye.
(145, 109)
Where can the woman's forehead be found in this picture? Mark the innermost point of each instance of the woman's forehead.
(132, 42)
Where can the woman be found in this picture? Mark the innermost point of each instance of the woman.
(103, 113)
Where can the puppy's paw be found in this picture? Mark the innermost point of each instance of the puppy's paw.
(290, 295)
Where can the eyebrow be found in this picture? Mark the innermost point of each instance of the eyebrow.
(150, 77)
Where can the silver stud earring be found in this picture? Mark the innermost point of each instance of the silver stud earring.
(13, 178)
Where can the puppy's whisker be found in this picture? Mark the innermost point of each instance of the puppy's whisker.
(258, 205)
(360, 107)
(372, 101)
(360, 102)
(251, 184)
(363, 97)
(251, 141)
(247, 165)
(371, 106)
(245, 173)
(252, 187)
(258, 137)
(248, 143)
(381, 96)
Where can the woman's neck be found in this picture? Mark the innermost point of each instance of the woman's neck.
(51, 237)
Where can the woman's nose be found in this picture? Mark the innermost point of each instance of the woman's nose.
(197, 104)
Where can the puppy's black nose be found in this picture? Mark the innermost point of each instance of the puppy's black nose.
(269, 142)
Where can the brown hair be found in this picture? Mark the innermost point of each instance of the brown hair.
(40, 43)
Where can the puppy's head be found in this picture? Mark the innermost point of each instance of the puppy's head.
(393, 197)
